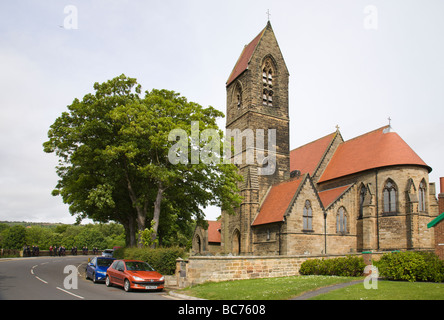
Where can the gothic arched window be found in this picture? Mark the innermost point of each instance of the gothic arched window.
(422, 197)
(267, 80)
(238, 96)
(307, 216)
(362, 195)
(341, 220)
(390, 195)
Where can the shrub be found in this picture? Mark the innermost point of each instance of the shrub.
(350, 266)
(162, 260)
(411, 266)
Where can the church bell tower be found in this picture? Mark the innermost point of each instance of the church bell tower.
(257, 111)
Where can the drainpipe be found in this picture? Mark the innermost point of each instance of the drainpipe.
(377, 210)
(325, 232)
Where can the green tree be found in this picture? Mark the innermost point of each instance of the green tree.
(37, 235)
(90, 237)
(114, 165)
(14, 237)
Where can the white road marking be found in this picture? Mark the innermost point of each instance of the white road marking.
(80, 297)
(41, 279)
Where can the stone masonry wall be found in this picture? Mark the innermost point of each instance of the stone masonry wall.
(197, 270)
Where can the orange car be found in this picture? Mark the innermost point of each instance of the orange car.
(134, 274)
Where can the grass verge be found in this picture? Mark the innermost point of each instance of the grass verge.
(262, 289)
(388, 290)
(289, 287)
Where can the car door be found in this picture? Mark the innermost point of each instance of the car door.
(119, 273)
(111, 272)
(91, 267)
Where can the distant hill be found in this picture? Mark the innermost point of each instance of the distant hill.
(30, 224)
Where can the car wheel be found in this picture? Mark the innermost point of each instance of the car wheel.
(127, 286)
(108, 282)
(94, 278)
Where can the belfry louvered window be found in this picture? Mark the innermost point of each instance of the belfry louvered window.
(267, 80)
(267, 97)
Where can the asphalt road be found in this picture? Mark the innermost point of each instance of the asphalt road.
(55, 278)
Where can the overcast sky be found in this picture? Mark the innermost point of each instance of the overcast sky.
(346, 68)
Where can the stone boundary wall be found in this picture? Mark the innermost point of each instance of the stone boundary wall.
(199, 269)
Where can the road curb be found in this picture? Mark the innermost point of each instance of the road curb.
(183, 296)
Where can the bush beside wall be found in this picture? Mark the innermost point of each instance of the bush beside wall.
(411, 266)
(349, 266)
(162, 260)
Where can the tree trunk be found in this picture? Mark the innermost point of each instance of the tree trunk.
(156, 216)
(141, 212)
(130, 232)
(141, 223)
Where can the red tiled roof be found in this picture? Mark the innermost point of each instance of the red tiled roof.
(329, 196)
(307, 158)
(244, 59)
(375, 149)
(214, 231)
(277, 201)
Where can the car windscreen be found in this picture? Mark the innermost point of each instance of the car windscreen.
(138, 266)
(104, 262)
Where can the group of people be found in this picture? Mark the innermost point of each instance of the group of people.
(28, 253)
(61, 251)
(55, 251)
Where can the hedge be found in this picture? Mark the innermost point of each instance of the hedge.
(162, 260)
(411, 266)
(350, 266)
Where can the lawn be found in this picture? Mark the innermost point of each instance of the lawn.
(288, 287)
(262, 289)
(388, 290)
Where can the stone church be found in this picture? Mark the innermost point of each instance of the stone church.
(330, 196)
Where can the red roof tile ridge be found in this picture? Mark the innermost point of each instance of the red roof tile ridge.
(342, 189)
(368, 133)
(278, 200)
(245, 57)
(214, 234)
(308, 160)
(375, 149)
(314, 141)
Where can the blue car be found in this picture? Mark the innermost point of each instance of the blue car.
(96, 268)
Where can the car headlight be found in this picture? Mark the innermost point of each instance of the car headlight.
(162, 278)
(137, 278)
